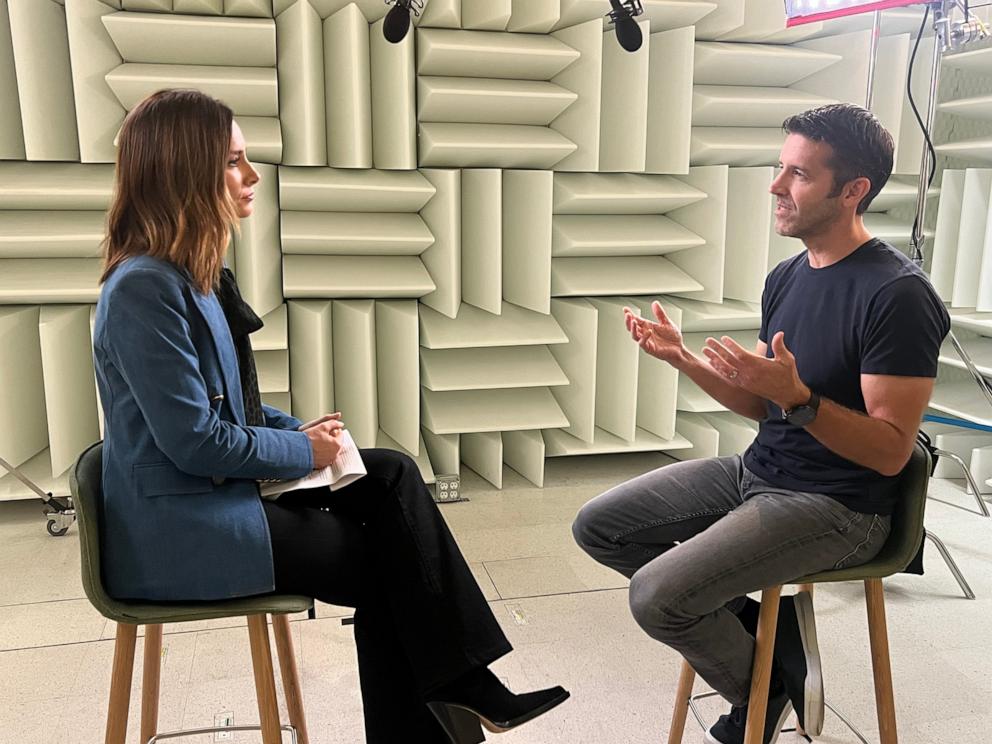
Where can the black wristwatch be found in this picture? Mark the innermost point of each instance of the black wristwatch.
(805, 414)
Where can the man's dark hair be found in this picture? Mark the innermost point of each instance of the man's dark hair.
(861, 146)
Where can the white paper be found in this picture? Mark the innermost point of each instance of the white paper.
(347, 468)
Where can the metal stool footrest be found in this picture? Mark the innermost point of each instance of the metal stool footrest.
(951, 564)
(972, 485)
(219, 729)
(703, 695)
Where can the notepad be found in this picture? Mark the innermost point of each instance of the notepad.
(347, 468)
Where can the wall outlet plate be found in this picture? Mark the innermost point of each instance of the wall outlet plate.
(447, 488)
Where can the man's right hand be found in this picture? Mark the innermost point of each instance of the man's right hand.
(325, 440)
(660, 339)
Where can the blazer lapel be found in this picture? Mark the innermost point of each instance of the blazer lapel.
(223, 344)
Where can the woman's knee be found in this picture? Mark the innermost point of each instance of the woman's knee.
(390, 465)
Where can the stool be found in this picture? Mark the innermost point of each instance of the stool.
(900, 548)
(85, 483)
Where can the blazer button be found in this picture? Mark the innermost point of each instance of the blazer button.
(217, 481)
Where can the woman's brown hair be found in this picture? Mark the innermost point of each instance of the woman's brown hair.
(170, 199)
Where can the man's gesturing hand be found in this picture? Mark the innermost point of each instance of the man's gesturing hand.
(662, 339)
(775, 379)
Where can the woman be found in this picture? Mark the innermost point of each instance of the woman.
(186, 442)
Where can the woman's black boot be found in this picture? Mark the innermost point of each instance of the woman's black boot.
(479, 697)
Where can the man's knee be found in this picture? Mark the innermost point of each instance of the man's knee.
(651, 605)
(585, 530)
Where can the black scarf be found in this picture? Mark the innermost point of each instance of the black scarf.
(242, 321)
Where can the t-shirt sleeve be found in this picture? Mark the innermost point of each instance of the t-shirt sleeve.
(765, 304)
(905, 326)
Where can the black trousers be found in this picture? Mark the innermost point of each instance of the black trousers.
(380, 545)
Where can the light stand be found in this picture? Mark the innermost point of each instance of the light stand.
(950, 36)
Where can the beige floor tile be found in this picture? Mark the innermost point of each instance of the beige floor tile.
(222, 654)
(204, 703)
(489, 590)
(569, 483)
(330, 682)
(49, 624)
(31, 720)
(327, 652)
(974, 664)
(531, 577)
(93, 677)
(47, 567)
(40, 672)
(84, 719)
(604, 615)
(507, 543)
(953, 731)
(328, 610)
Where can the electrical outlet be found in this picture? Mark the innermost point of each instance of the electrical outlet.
(224, 719)
(447, 488)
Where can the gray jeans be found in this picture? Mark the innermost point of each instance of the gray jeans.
(695, 537)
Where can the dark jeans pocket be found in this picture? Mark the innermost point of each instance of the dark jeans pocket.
(868, 546)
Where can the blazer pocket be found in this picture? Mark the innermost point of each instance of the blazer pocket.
(165, 479)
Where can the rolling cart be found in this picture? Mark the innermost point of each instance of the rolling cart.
(58, 509)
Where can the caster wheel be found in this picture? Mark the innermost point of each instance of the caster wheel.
(54, 531)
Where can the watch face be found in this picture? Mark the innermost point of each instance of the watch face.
(801, 416)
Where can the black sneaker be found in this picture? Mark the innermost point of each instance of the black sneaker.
(797, 656)
(729, 729)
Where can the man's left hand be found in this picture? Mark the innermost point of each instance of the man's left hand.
(775, 379)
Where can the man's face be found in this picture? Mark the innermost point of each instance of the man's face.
(804, 207)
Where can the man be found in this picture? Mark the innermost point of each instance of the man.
(840, 378)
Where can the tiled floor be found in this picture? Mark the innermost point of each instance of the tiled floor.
(566, 616)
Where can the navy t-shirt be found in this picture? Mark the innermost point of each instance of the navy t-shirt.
(873, 312)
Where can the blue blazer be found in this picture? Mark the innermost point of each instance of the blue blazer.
(182, 518)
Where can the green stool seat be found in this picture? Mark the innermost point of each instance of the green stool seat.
(905, 537)
(85, 482)
(906, 533)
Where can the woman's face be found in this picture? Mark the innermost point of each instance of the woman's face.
(239, 175)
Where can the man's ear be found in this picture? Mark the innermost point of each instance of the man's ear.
(857, 190)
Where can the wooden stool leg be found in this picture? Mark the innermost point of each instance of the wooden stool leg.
(878, 635)
(290, 677)
(120, 683)
(686, 677)
(151, 675)
(761, 670)
(265, 683)
(803, 588)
